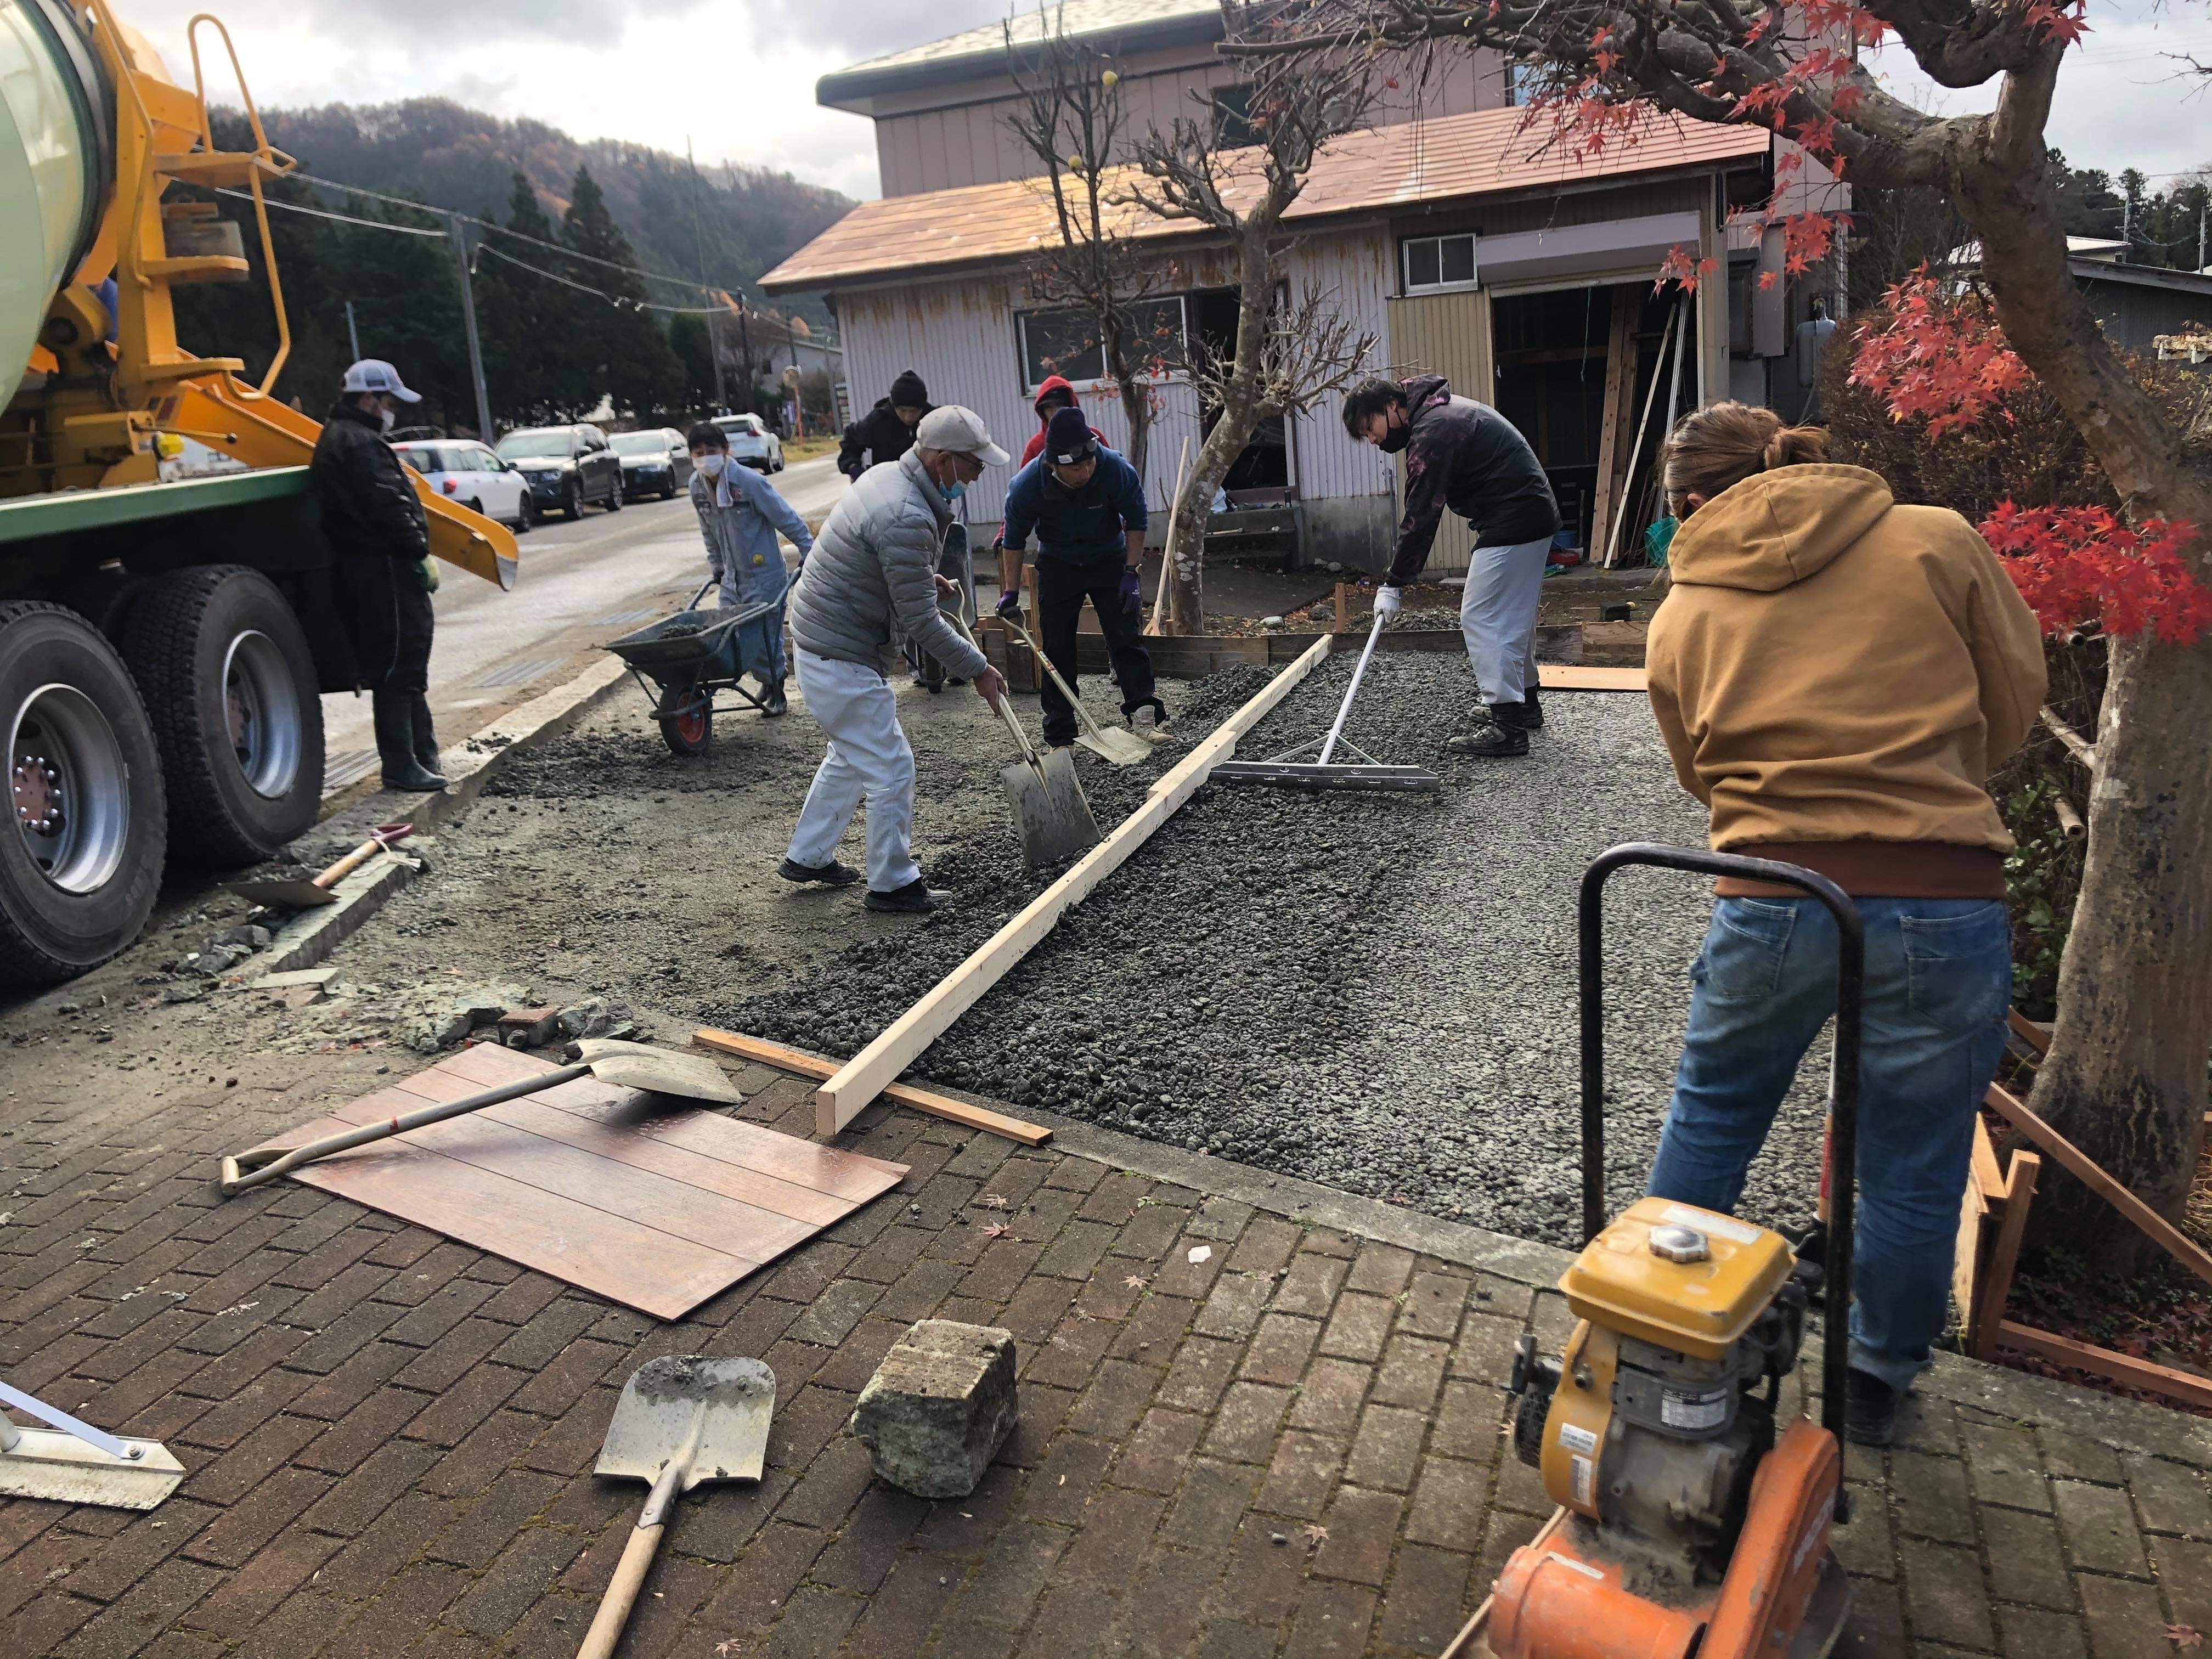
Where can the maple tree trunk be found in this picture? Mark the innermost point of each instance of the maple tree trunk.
(2126, 1080)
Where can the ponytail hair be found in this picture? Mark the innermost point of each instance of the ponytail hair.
(1723, 444)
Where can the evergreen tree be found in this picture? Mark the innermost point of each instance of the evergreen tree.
(528, 324)
(407, 308)
(690, 338)
(628, 356)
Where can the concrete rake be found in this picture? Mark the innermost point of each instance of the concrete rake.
(1291, 770)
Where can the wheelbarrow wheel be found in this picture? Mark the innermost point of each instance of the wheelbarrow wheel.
(687, 719)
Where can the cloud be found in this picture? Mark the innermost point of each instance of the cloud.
(855, 30)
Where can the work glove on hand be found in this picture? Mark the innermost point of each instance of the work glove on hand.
(1388, 602)
(1010, 605)
(1132, 594)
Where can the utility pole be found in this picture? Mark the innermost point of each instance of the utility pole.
(2201, 266)
(353, 334)
(745, 346)
(699, 243)
(469, 316)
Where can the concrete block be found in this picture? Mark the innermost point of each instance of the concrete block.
(939, 1407)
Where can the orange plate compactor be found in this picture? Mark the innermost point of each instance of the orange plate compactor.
(1694, 1518)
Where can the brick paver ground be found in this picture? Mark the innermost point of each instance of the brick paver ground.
(1289, 1444)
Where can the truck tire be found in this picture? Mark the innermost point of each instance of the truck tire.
(231, 684)
(80, 861)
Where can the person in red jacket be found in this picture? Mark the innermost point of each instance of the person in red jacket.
(1054, 393)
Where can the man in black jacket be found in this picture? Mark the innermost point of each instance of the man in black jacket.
(1466, 456)
(377, 528)
(885, 432)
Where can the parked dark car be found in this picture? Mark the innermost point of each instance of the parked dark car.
(654, 462)
(566, 466)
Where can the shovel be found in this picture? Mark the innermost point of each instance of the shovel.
(1047, 797)
(298, 893)
(682, 1420)
(1116, 743)
(625, 1065)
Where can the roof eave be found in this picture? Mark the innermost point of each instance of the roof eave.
(856, 89)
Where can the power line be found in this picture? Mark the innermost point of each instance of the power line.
(336, 218)
(615, 300)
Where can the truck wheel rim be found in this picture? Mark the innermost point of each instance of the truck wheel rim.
(70, 788)
(262, 706)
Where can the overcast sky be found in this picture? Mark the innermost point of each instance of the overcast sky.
(739, 79)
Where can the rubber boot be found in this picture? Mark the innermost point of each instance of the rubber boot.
(774, 702)
(1532, 714)
(395, 745)
(427, 755)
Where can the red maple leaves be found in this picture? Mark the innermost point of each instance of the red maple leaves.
(1936, 356)
(1941, 358)
(2081, 567)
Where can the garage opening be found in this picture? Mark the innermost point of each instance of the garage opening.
(1261, 474)
(1574, 367)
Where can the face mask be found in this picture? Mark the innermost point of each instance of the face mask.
(1395, 439)
(712, 465)
(385, 418)
(953, 491)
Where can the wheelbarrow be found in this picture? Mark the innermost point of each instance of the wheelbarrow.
(683, 662)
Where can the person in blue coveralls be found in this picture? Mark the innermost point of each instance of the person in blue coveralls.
(739, 513)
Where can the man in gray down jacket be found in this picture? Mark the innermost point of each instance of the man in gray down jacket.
(871, 583)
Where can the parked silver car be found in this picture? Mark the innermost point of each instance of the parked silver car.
(751, 444)
(654, 462)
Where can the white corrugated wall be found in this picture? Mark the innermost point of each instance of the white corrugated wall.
(1352, 268)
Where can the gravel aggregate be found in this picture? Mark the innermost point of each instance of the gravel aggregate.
(1372, 990)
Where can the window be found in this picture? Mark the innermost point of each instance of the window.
(1520, 81)
(1439, 261)
(1065, 343)
(1232, 118)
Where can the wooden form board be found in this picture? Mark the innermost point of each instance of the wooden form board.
(1618, 423)
(606, 1188)
(803, 1064)
(1566, 676)
(869, 1073)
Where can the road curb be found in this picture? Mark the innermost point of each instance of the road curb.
(309, 939)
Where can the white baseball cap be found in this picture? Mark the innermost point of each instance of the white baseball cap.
(961, 431)
(374, 375)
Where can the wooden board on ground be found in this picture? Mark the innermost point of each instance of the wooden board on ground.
(653, 1207)
(1193, 654)
(804, 1063)
(867, 1075)
(1565, 676)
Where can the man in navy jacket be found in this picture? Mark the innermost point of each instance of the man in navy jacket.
(1086, 506)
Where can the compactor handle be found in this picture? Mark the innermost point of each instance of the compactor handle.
(1844, 1101)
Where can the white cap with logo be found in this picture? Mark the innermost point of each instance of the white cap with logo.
(961, 431)
(374, 375)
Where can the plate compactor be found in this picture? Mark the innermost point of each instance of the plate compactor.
(1694, 1515)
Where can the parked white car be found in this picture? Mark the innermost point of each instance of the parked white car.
(751, 444)
(472, 475)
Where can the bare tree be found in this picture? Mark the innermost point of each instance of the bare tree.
(1290, 351)
(1070, 117)
(2125, 1079)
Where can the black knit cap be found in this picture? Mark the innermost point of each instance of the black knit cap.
(908, 393)
(1068, 439)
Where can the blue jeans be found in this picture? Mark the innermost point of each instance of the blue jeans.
(1938, 979)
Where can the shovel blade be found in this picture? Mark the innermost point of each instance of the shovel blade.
(1054, 819)
(658, 1070)
(715, 1412)
(1117, 744)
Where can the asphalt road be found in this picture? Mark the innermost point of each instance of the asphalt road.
(581, 584)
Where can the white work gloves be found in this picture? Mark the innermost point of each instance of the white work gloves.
(1388, 602)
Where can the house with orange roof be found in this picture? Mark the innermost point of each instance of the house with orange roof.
(1454, 232)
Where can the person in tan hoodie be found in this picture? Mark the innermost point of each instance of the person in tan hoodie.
(1836, 676)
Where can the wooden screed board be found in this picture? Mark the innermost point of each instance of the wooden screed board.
(654, 1206)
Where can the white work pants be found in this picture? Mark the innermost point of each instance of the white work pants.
(1497, 614)
(869, 759)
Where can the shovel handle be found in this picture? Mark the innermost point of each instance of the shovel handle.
(1005, 706)
(346, 866)
(621, 1593)
(1082, 714)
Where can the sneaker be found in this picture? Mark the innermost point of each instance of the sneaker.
(1869, 1409)
(1149, 718)
(832, 874)
(776, 702)
(1500, 736)
(1532, 714)
(917, 898)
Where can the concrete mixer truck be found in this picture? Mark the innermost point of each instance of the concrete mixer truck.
(163, 645)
